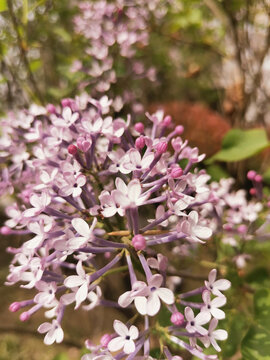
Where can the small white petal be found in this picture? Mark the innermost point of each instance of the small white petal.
(116, 344)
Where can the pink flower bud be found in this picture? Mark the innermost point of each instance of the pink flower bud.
(66, 102)
(139, 242)
(140, 142)
(253, 191)
(24, 316)
(51, 109)
(162, 147)
(242, 229)
(72, 149)
(177, 318)
(167, 121)
(227, 227)
(179, 129)
(107, 255)
(258, 178)
(5, 230)
(139, 127)
(251, 174)
(104, 341)
(176, 172)
(15, 306)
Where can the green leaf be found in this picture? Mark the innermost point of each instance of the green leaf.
(256, 343)
(61, 356)
(3, 5)
(217, 172)
(266, 176)
(241, 144)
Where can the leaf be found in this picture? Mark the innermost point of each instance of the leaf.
(3, 5)
(241, 144)
(61, 356)
(217, 172)
(266, 176)
(256, 343)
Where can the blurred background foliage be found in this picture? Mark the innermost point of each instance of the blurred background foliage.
(213, 64)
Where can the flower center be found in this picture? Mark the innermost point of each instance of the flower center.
(153, 288)
(192, 323)
(127, 337)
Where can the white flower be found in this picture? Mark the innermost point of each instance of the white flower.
(125, 339)
(54, 332)
(214, 335)
(194, 323)
(215, 286)
(150, 304)
(191, 228)
(84, 230)
(82, 281)
(39, 203)
(47, 292)
(129, 196)
(133, 161)
(212, 306)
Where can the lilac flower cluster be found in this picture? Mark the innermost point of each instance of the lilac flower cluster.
(85, 185)
(115, 33)
(234, 216)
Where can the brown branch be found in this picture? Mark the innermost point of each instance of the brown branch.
(22, 49)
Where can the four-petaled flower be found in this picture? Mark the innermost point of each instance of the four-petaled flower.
(194, 322)
(125, 339)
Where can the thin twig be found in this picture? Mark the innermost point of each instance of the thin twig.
(23, 51)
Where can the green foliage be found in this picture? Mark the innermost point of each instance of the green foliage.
(256, 343)
(241, 144)
(3, 5)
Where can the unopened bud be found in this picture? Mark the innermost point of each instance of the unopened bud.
(51, 109)
(139, 242)
(72, 149)
(253, 191)
(251, 174)
(179, 129)
(140, 143)
(15, 306)
(104, 341)
(139, 127)
(24, 316)
(5, 230)
(167, 121)
(258, 178)
(177, 318)
(162, 147)
(242, 229)
(176, 172)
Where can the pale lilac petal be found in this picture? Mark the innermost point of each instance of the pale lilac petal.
(116, 344)
(218, 314)
(81, 227)
(215, 344)
(49, 338)
(81, 294)
(125, 299)
(73, 281)
(155, 281)
(45, 327)
(202, 232)
(206, 296)
(109, 211)
(222, 284)
(201, 329)
(220, 334)
(193, 217)
(129, 347)
(153, 304)
(120, 198)
(166, 295)
(120, 328)
(134, 156)
(212, 276)
(133, 332)
(189, 314)
(203, 318)
(213, 325)
(134, 189)
(147, 160)
(59, 335)
(218, 301)
(120, 185)
(141, 304)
